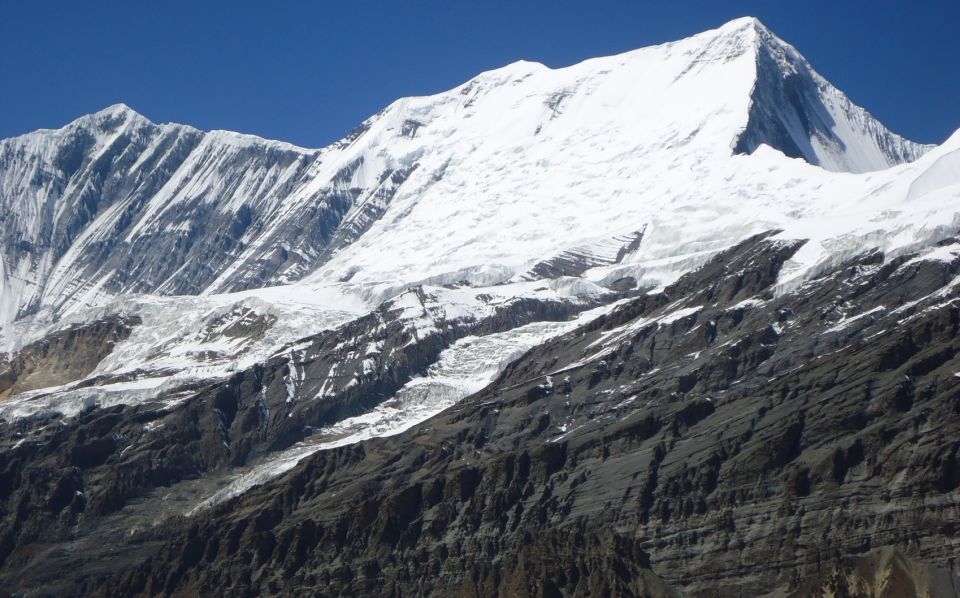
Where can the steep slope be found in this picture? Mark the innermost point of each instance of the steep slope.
(74, 199)
(795, 110)
(113, 204)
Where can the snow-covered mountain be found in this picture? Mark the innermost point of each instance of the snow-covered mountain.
(617, 173)
(479, 183)
(660, 235)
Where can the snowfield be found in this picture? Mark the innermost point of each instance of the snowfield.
(642, 166)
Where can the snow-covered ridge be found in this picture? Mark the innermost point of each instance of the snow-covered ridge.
(798, 112)
(478, 184)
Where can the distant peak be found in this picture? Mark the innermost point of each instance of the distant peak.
(112, 115)
(745, 25)
(742, 23)
(118, 108)
(754, 32)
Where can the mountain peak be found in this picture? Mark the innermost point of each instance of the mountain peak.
(117, 109)
(748, 29)
(112, 116)
(798, 112)
(743, 24)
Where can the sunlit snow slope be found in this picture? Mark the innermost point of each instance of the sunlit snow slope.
(522, 163)
(476, 183)
(623, 170)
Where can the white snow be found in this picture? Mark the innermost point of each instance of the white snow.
(525, 162)
(845, 322)
(945, 253)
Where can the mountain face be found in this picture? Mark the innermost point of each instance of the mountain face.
(680, 321)
(113, 204)
(796, 111)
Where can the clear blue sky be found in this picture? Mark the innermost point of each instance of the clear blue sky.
(307, 72)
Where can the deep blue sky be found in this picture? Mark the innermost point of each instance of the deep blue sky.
(307, 72)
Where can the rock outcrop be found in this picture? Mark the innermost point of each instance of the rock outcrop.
(63, 356)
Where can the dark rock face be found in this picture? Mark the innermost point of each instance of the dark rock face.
(884, 573)
(566, 562)
(714, 439)
(577, 260)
